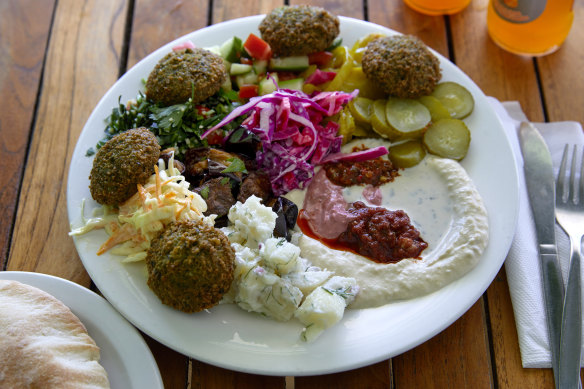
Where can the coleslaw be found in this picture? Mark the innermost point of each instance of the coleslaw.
(163, 199)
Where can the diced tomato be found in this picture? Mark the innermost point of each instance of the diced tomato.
(247, 91)
(246, 61)
(202, 110)
(320, 58)
(215, 138)
(257, 47)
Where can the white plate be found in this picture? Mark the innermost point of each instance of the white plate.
(231, 338)
(124, 354)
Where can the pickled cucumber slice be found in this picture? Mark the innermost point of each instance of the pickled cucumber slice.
(455, 98)
(406, 117)
(407, 154)
(378, 120)
(360, 108)
(437, 110)
(448, 138)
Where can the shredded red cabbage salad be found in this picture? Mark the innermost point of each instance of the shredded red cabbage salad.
(293, 136)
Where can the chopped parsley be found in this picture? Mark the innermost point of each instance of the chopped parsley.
(178, 126)
(236, 166)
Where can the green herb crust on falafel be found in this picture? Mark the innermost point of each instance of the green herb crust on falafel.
(121, 163)
(186, 73)
(190, 266)
(402, 65)
(299, 30)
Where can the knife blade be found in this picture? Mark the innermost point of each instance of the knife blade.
(539, 180)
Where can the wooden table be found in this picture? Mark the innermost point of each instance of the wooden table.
(57, 58)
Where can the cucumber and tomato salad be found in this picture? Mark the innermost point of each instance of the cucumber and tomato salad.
(255, 71)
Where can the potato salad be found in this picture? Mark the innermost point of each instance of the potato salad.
(271, 278)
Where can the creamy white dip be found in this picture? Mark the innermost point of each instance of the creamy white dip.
(443, 204)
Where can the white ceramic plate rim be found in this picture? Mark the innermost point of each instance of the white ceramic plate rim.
(228, 337)
(124, 353)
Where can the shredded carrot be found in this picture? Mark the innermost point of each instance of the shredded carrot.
(142, 192)
(158, 188)
(179, 211)
(120, 235)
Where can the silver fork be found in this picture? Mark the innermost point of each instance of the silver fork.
(570, 216)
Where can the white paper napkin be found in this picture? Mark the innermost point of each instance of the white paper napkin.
(522, 265)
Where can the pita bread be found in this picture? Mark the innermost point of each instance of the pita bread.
(43, 344)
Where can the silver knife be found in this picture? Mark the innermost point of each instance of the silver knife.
(539, 179)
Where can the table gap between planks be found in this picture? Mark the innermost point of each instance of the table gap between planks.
(59, 57)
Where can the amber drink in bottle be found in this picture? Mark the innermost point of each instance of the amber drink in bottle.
(437, 7)
(530, 27)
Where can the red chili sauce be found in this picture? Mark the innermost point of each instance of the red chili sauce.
(377, 233)
(374, 172)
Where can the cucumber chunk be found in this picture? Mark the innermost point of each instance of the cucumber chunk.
(293, 84)
(296, 63)
(231, 49)
(246, 79)
(260, 66)
(448, 138)
(268, 85)
(407, 118)
(407, 154)
(239, 68)
(455, 98)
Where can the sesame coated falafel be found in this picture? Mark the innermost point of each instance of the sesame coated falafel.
(402, 65)
(299, 30)
(184, 73)
(121, 163)
(190, 266)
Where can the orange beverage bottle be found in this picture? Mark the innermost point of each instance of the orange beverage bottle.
(437, 7)
(530, 27)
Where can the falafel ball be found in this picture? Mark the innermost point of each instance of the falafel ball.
(121, 163)
(184, 73)
(402, 65)
(299, 30)
(190, 266)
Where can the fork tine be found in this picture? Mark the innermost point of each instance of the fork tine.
(572, 194)
(581, 194)
(573, 187)
(560, 183)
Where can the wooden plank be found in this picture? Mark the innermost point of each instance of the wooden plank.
(154, 24)
(376, 376)
(81, 63)
(24, 31)
(562, 71)
(173, 366)
(506, 77)
(458, 357)
(213, 377)
(226, 10)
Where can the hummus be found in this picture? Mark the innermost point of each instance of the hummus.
(444, 205)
